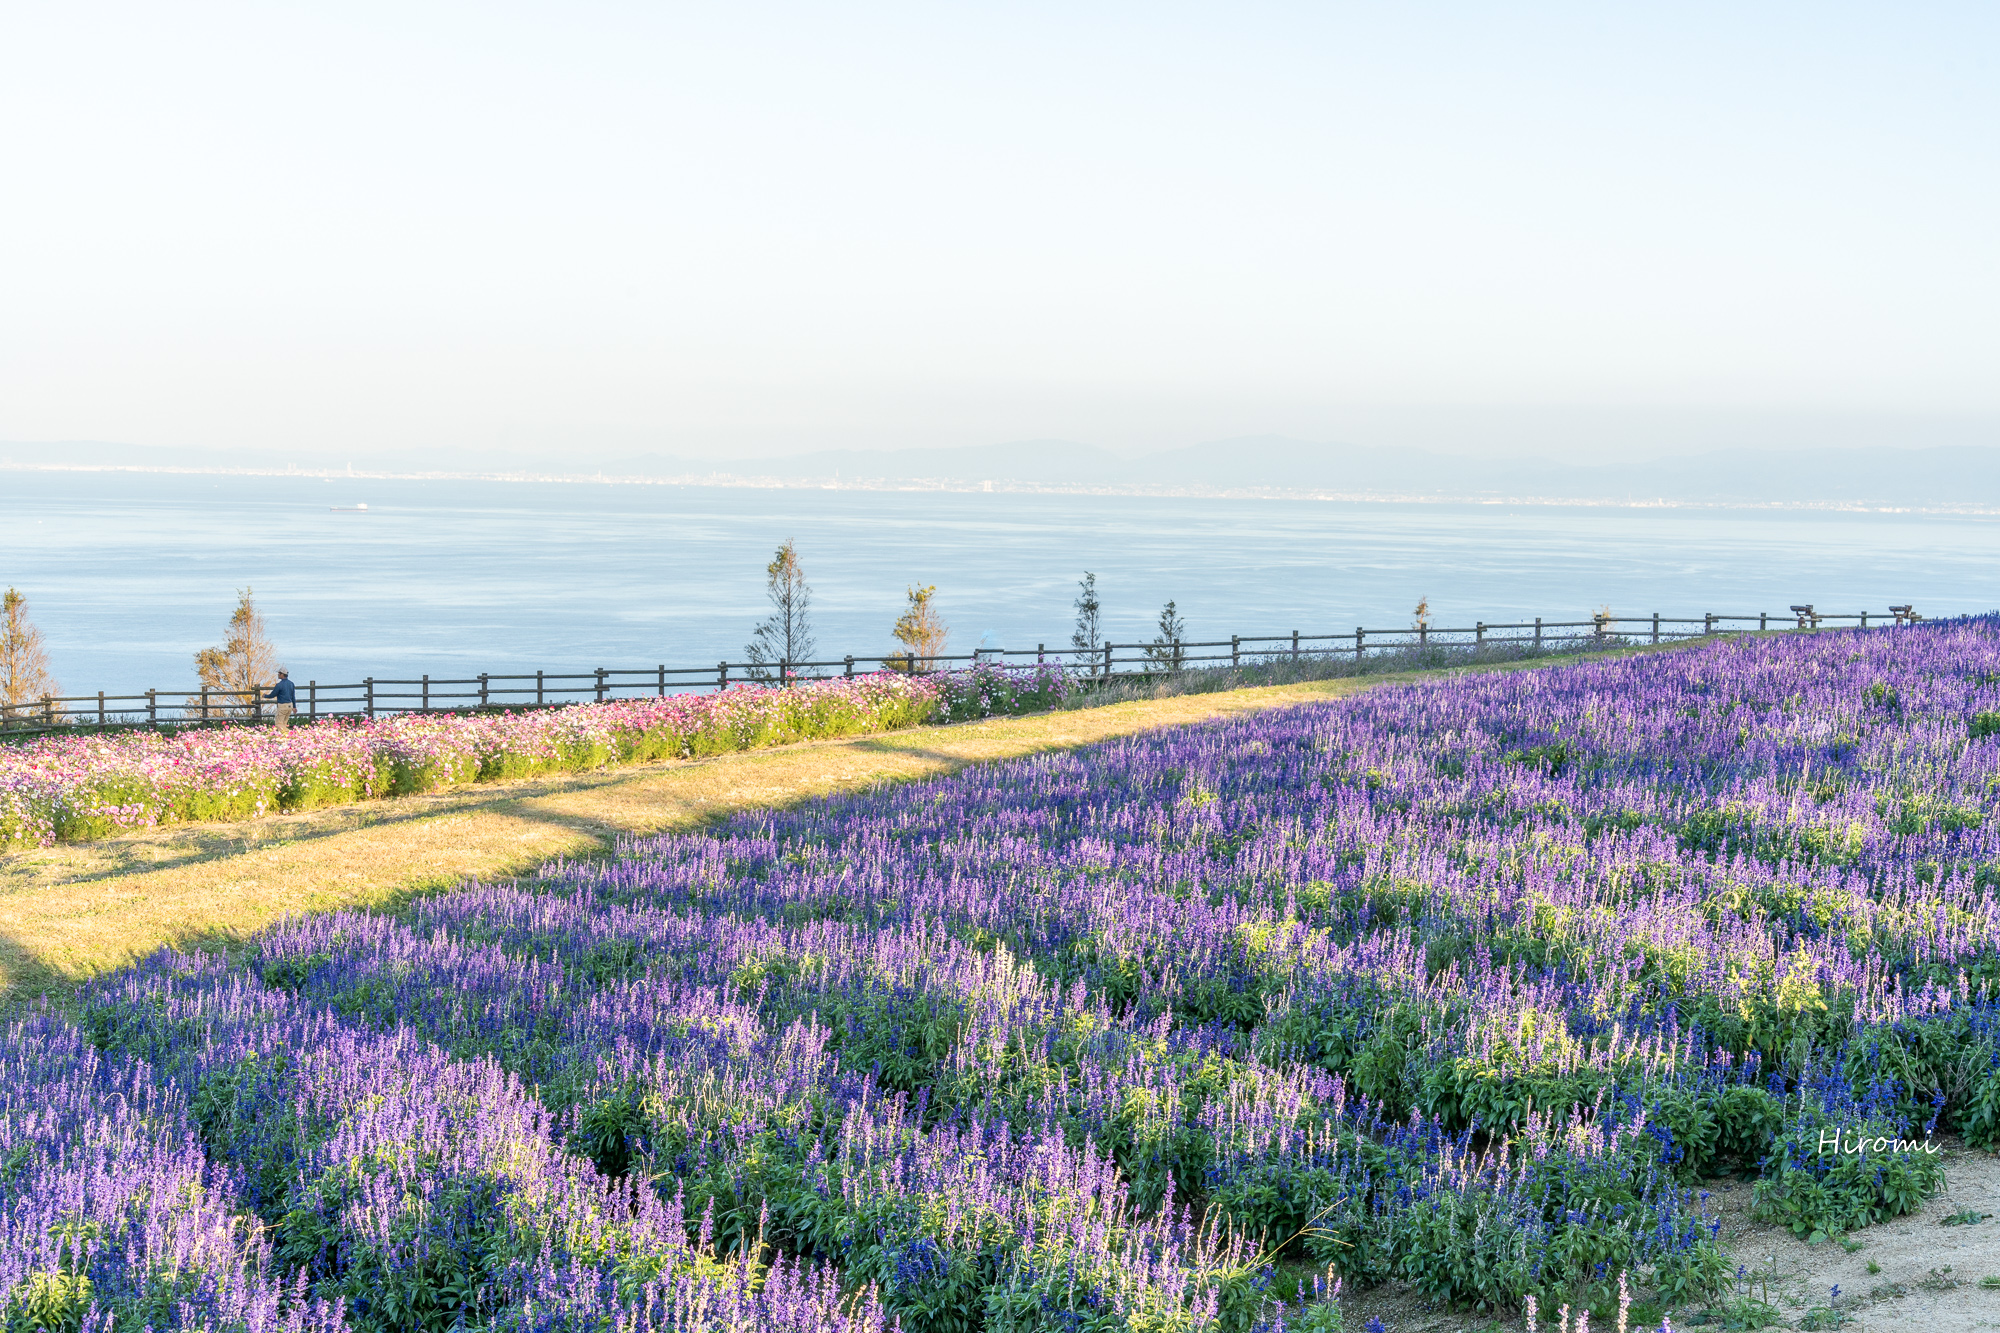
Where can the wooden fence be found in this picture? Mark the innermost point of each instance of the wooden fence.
(380, 696)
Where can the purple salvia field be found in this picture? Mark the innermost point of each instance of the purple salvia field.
(110, 1213)
(1467, 984)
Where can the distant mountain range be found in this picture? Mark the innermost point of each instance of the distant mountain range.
(1959, 477)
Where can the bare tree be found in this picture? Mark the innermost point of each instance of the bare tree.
(24, 666)
(921, 630)
(786, 634)
(1085, 639)
(1165, 652)
(243, 664)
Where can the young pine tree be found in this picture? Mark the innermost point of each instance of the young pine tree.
(244, 664)
(24, 666)
(921, 631)
(1165, 652)
(786, 634)
(1085, 639)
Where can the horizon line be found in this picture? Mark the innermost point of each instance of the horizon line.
(999, 486)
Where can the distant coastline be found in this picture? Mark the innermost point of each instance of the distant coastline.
(753, 481)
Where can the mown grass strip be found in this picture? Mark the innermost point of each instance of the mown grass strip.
(73, 911)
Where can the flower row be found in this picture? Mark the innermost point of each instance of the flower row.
(76, 788)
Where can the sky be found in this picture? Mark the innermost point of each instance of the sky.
(733, 230)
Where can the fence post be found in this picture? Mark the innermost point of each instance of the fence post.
(48, 711)
(1864, 620)
(1423, 634)
(784, 673)
(207, 706)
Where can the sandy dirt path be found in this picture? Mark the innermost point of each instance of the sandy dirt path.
(1929, 1274)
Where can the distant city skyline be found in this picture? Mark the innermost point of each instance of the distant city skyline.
(1555, 231)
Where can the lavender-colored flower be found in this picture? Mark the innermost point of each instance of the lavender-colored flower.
(1452, 982)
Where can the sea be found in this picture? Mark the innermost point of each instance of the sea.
(128, 574)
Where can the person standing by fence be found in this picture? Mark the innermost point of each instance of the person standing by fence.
(281, 696)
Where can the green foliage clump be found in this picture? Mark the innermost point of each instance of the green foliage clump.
(1839, 1166)
(48, 1303)
(1553, 757)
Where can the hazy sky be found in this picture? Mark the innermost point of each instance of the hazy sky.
(760, 228)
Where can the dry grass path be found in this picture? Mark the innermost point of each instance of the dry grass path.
(75, 910)
(71, 911)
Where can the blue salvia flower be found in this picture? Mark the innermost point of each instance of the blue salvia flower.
(1458, 949)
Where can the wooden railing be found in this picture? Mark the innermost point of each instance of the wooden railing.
(378, 696)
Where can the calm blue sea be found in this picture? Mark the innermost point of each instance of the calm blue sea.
(129, 574)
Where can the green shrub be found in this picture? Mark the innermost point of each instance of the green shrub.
(1705, 1130)
(1980, 1120)
(48, 1303)
(1838, 1167)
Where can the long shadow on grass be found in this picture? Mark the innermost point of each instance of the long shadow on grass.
(27, 975)
(904, 757)
(192, 844)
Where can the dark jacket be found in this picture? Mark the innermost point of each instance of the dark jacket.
(283, 692)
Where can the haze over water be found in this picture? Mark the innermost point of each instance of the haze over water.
(128, 574)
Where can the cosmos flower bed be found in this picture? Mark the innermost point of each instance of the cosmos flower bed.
(73, 789)
(1467, 984)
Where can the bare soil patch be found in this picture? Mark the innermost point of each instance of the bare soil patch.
(1930, 1274)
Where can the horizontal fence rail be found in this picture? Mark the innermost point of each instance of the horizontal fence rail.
(382, 696)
